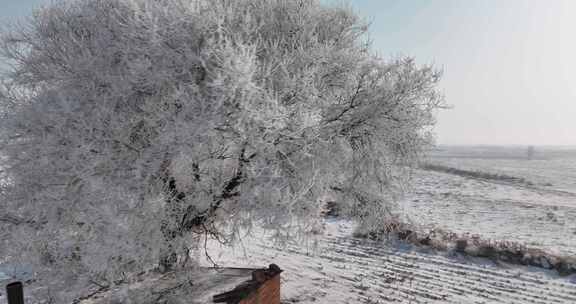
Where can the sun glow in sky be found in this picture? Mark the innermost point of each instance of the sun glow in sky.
(509, 65)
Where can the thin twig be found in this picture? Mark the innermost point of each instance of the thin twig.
(216, 266)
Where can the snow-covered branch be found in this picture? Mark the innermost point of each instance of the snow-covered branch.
(132, 127)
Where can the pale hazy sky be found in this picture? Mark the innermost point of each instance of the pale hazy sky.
(509, 65)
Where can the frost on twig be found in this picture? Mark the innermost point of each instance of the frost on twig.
(130, 129)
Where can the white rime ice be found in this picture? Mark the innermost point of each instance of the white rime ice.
(131, 129)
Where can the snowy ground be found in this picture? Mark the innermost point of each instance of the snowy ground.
(343, 269)
(551, 167)
(541, 215)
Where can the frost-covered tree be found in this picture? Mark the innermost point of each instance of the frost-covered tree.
(130, 128)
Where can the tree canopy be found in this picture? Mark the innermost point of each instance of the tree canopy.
(129, 128)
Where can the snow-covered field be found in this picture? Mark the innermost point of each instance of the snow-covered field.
(550, 168)
(538, 217)
(344, 269)
(541, 215)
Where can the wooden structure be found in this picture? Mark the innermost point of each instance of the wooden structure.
(262, 288)
(15, 293)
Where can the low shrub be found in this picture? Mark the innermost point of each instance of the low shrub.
(476, 174)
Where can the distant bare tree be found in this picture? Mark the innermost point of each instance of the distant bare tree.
(129, 128)
(530, 152)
